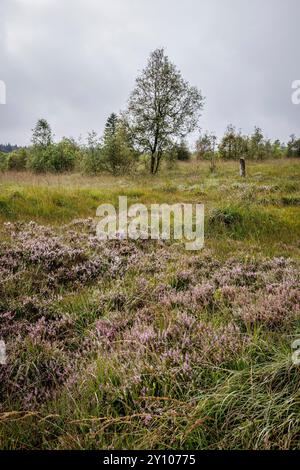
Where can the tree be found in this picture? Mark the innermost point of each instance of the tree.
(205, 148)
(7, 148)
(257, 144)
(181, 151)
(117, 152)
(3, 161)
(277, 149)
(293, 147)
(111, 126)
(42, 139)
(233, 145)
(42, 134)
(17, 160)
(162, 107)
(55, 158)
(62, 156)
(91, 163)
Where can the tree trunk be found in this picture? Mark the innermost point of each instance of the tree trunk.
(158, 157)
(212, 164)
(242, 167)
(152, 164)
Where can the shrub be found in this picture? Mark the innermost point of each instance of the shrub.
(3, 161)
(63, 156)
(91, 162)
(37, 160)
(118, 154)
(227, 217)
(182, 151)
(293, 147)
(17, 160)
(55, 158)
(233, 144)
(205, 146)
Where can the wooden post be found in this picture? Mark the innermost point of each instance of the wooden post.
(213, 140)
(242, 167)
(212, 163)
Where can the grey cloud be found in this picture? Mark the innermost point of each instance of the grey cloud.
(75, 61)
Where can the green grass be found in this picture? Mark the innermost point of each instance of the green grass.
(265, 203)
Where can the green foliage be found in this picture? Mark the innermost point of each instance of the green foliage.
(17, 160)
(293, 147)
(257, 145)
(40, 153)
(181, 151)
(3, 161)
(277, 149)
(205, 146)
(228, 217)
(114, 153)
(38, 159)
(91, 163)
(63, 156)
(118, 154)
(55, 158)
(111, 126)
(42, 134)
(233, 145)
(206, 149)
(162, 108)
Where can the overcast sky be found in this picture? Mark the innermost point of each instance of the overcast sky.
(74, 62)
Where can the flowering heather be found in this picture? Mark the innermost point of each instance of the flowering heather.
(125, 328)
(279, 305)
(36, 367)
(105, 330)
(199, 296)
(179, 348)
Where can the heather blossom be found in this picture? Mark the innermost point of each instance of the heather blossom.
(155, 330)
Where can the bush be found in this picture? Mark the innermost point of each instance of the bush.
(181, 151)
(293, 147)
(55, 158)
(227, 217)
(3, 161)
(118, 157)
(37, 160)
(205, 146)
(17, 160)
(91, 162)
(114, 153)
(63, 156)
(118, 154)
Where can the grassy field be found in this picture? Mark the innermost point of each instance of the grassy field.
(143, 345)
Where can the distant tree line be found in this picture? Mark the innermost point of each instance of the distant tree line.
(7, 148)
(163, 109)
(115, 152)
(235, 145)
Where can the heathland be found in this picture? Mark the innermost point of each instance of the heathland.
(140, 344)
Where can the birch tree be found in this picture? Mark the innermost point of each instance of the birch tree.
(162, 108)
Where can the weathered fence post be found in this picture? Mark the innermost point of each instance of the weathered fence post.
(212, 166)
(242, 167)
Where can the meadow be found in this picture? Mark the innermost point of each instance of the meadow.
(142, 344)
